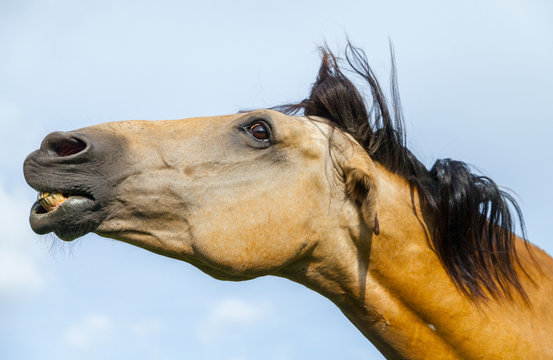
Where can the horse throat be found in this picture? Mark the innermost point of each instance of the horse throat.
(380, 282)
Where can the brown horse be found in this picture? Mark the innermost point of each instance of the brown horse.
(423, 262)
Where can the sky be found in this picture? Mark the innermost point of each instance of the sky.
(476, 83)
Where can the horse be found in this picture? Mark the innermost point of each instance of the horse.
(324, 192)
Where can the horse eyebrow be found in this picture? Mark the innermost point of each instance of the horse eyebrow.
(474, 236)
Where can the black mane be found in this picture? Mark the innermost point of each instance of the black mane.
(474, 227)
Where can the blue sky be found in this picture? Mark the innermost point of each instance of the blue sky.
(476, 83)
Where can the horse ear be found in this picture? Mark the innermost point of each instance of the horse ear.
(361, 187)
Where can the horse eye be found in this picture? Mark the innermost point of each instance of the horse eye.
(259, 131)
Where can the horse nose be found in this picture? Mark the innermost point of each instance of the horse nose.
(64, 144)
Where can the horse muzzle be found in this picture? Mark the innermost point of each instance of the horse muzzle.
(73, 175)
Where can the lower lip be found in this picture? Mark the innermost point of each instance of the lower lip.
(65, 215)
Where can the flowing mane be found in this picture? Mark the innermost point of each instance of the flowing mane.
(474, 226)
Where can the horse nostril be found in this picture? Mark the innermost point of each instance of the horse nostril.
(70, 148)
(63, 144)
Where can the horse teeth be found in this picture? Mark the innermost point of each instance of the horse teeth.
(50, 201)
(58, 197)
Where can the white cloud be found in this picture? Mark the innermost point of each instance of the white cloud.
(146, 328)
(231, 314)
(99, 330)
(18, 273)
(22, 271)
(93, 329)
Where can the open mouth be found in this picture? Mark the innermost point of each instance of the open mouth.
(50, 202)
(63, 213)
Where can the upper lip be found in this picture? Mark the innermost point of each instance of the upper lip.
(45, 176)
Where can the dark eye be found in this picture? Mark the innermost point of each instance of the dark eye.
(260, 131)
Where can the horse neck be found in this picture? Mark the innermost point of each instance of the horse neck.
(381, 282)
(393, 287)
